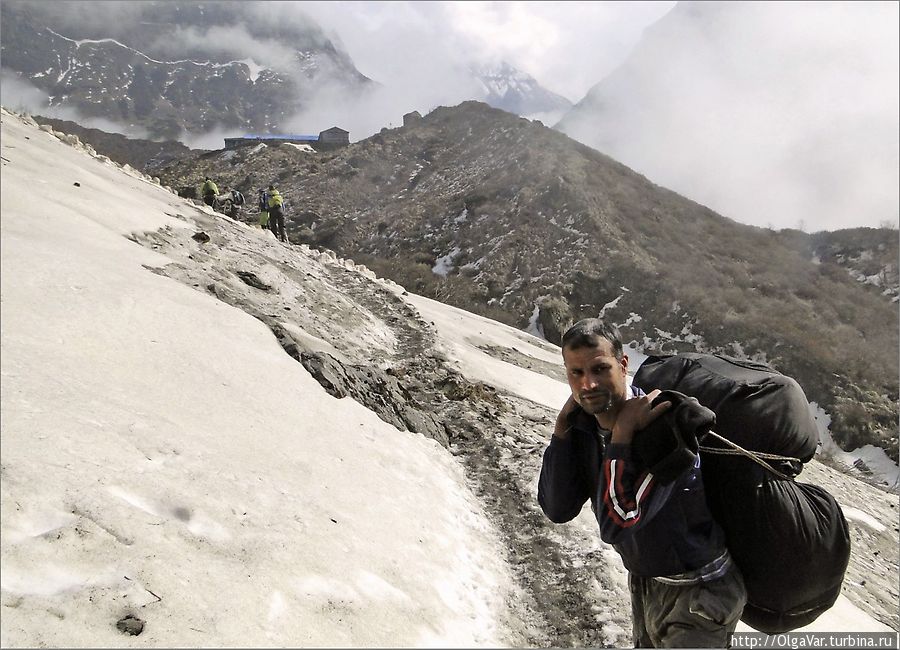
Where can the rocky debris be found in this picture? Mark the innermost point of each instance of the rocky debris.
(377, 390)
(407, 382)
(516, 358)
(251, 279)
(130, 624)
(201, 237)
(457, 388)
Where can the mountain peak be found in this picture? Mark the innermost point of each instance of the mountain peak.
(513, 90)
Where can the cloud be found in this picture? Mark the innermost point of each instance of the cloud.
(19, 95)
(567, 47)
(420, 52)
(405, 48)
(226, 42)
(86, 19)
(774, 114)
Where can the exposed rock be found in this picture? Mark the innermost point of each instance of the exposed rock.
(251, 279)
(379, 391)
(130, 624)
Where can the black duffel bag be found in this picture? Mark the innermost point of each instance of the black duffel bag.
(789, 539)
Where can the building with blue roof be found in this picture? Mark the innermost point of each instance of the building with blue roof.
(332, 138)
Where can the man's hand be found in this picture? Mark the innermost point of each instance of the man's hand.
(635, 414)
(562, 420)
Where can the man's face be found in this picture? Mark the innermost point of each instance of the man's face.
(596, 377)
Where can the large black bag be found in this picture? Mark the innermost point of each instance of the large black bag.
(789, 539)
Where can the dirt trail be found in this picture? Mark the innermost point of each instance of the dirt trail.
(359, 337)
(323, 311)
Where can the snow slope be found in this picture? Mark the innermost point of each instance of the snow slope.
(163, 457)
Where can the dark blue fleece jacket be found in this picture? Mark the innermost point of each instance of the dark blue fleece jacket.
(659, 530)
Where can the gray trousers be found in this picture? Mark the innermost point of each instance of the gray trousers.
(702, 615)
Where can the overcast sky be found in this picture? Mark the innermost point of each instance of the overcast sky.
(775, 114)
(567, 46)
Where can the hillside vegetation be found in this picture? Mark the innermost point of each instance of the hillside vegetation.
(510, 219)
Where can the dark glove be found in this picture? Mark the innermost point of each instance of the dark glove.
(669, 446)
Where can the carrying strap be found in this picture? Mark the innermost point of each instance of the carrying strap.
(755, 456)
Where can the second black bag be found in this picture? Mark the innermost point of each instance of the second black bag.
(789, 539)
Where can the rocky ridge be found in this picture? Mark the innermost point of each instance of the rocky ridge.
(504, 217)
(137, 153)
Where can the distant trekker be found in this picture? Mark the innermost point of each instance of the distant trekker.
(209, 190)
(263, 205)
(235, 200)
(276, 213)
(237, 197)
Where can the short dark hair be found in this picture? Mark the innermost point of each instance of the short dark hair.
(588, 332)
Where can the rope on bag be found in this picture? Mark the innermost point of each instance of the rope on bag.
(755, 456)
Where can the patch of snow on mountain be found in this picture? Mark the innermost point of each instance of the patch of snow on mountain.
(305, 148)
(443, 265)
(855, 514)
(608, 305)
(867, 460)
(534, 326)
(255, 68)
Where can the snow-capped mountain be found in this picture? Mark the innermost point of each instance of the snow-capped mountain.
(512, 90)
(168, 67)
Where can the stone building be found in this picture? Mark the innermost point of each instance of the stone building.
(334, 137)
(412, 118)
